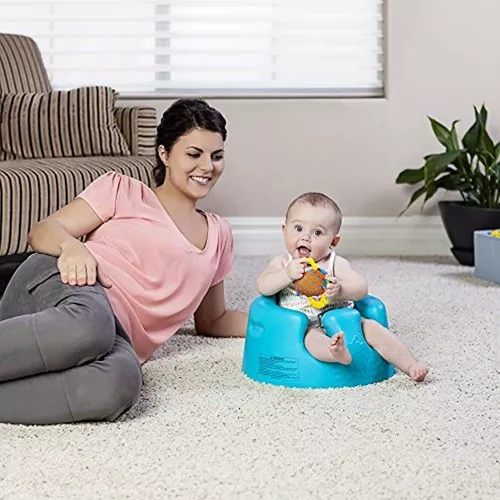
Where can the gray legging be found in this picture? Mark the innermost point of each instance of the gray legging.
(64, 357)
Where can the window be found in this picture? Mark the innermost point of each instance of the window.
(209, 47)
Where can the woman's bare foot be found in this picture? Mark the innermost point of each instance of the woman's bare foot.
(338, 349)
(417, 371)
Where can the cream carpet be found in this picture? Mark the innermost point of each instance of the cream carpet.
(204, 431)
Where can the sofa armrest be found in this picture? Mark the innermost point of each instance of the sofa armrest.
(138, 125)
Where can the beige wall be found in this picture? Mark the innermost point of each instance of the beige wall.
(443, 57)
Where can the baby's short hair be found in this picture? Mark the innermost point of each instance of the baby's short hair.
(317, 200)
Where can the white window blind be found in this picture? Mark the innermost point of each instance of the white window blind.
(210, 47)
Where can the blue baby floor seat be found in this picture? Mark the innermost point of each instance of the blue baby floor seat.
(275, 353)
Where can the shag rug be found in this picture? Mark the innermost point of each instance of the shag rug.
(202, 430)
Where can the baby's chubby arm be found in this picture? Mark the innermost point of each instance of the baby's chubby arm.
(279, 275)
(353, 285)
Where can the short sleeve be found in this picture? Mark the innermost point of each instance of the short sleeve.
(102, 194)
(226, 259)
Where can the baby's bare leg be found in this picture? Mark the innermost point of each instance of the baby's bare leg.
(324, 348)
(393, 350)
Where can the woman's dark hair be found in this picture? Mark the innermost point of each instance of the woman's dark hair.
(179, 119)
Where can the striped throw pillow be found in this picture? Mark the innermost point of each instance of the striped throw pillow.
(61, 123)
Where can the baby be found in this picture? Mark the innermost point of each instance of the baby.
(311, 228)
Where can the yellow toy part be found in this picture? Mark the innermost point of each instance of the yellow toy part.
(312, 284)
(318, 303)
(495, 233)
(318, 274)
(312, 263)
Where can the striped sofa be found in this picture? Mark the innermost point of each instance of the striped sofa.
(31, 189)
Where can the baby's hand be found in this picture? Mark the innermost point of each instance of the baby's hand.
(332, 290)
(296, 268)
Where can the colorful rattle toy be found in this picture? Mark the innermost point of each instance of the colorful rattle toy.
(313, 284)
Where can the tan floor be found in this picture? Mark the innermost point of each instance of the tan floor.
(204, 431)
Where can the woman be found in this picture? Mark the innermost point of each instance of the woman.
(78, 319)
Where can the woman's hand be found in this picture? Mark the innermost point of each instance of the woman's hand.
(78, 266)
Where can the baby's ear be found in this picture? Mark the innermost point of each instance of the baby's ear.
(335, 241)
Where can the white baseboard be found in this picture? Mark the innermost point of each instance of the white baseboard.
(417, 235)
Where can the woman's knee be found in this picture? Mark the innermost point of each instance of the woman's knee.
(128, 388)
(93, 331)
(123, 383)
(111, 387)
(123, 387)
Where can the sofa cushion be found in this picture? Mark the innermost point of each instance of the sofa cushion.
(61, 123)
(30, 190)
(138, 125)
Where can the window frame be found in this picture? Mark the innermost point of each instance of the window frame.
(273, 93)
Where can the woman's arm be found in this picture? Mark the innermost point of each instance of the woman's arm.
(63, 228)
(213, 319)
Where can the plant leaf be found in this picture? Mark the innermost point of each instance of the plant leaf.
(452, 182)
(464, 165)
(486, 144)
(480, 187)
(454, 136)
(438, 164)
(411, 176)
(430, 191)
(497, 154)
(477, 138)
(486, 161)
(470, 166)
(472, 137)
(414, 197)
(483, 114)
(441, 132)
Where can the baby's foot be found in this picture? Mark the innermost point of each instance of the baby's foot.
(417, 371)
(338, 349)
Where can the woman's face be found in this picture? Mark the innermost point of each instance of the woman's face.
(195, 162)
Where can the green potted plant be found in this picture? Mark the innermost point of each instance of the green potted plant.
(470, 167)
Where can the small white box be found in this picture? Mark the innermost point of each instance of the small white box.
(487, 256)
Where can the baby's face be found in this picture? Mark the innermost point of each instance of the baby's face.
(309, 231)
